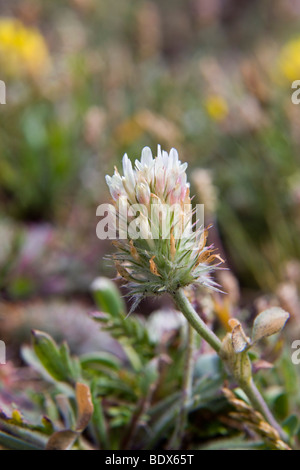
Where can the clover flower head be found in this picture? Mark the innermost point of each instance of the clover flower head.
(159, 248)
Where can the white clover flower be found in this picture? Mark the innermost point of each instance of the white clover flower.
(162, 250)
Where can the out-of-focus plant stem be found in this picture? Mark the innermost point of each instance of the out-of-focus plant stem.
(187, 390)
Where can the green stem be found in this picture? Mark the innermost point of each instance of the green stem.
(249, 388)
(187, 389)
(193, 318)
(188, 373)
(260, 405)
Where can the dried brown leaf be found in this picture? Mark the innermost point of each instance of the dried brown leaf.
(62, 440)
(85, 406)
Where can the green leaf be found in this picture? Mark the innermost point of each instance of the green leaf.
(232, 444)
(281, 405)
(107, 297)
(20, 436)
(290, 425)
(102, 359)
(207, 365)
(149, 375)
(66, 411)
(30, 357)
(14, 443)
(72, 365)
(133, 357)
(49, 355)
(99, 424)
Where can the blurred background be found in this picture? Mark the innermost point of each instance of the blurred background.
(87, 81)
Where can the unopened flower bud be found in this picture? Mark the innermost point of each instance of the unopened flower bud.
(143, 193)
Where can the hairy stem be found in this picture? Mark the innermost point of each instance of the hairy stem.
(193, 318)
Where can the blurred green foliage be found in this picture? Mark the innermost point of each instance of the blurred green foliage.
(150, 75)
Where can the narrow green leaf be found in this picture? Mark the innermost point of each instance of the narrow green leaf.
(103, 359)
(107, 296)
(71, 364)
(14, 443)
(99, 424)
(49, 355)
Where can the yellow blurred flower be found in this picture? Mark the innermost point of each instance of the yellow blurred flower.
(216, 107)
(22, 49)
(289, 60)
